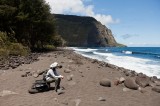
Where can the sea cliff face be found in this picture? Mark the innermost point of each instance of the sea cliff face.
(83, 31)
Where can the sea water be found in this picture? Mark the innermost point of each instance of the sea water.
(139, 59)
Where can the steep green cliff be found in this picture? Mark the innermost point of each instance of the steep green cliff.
(83, 31)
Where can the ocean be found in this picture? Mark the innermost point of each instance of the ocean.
(139, 59)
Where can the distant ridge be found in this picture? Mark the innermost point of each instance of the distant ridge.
(83, 31)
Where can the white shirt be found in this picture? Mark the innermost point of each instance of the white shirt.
(52, 74)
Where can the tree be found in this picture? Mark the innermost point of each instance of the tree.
(30, 21)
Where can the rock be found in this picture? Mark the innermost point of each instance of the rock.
(142, 81)
(80, 71)
(126, 89)
(141, 75)
(141, 90)
(121, 80)
(24, 75)
(116, 82)
(82, 75)
(65, 102)
(156, 89)
(105, 82)
(130, 83)
(35, 75)
(157, 83)
(152, 84)
(67, 70)
(101, 99)
(69, 78)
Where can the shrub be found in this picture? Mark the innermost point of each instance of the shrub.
(18, 49)
(4, 53)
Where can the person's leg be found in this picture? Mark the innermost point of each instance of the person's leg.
(49, 81)
(57, 84)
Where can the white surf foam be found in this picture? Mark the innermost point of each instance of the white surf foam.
(132, 63)
(127, 52)
(84, 50)
(103, 54)
(137, 64)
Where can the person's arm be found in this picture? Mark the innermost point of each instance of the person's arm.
(55, 76)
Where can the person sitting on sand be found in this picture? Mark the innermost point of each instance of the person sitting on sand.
(53, 76)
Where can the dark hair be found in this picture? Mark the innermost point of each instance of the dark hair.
(60, 66)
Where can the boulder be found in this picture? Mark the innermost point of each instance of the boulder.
(156, 89)
(130, 83)
(105, 82)
(142, 81)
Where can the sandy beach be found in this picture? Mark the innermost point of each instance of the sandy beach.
(83, 89)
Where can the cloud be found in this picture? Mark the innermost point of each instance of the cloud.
(127, 36)
(78, 7)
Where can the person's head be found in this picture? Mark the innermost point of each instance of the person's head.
(55, 65)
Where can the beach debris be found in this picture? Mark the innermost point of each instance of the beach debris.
(101, 99)
(156, 89)
(142, 81)
(130, 83)
(105, 82)
(7, 92)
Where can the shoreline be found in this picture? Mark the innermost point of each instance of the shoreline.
(81, 81)
(139, 65)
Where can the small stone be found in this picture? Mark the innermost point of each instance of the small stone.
(80, 71)
(157, 83)
(156, 89)
(24, 75)
(35, 75)
(126, 89)
(101, 99)
(121, 80)
(67, 70)
(69, 78)
(116, 82)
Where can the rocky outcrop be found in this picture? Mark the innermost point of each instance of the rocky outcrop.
(83, 31)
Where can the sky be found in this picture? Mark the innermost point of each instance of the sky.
(135, 23)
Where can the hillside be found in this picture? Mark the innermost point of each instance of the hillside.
(83, 31)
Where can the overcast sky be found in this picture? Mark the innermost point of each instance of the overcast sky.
(133, 22)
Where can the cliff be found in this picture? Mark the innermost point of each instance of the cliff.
(83, 31)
